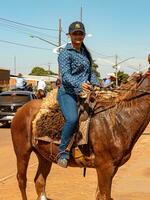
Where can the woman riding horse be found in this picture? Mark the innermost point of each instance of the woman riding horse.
(75, 65)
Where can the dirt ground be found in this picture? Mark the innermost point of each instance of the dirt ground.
(132, 181)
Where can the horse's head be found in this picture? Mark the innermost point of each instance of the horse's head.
(144, 84)
(135, 77)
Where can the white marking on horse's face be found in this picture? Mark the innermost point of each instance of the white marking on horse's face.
(43, 197)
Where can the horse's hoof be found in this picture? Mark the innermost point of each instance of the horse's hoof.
(42, 197)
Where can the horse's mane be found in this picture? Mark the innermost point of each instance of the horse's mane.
(120, 96)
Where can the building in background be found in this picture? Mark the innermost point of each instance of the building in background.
(8, 81)
(30, 79)
(4, 79)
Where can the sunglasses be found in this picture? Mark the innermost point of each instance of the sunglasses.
(78, 33)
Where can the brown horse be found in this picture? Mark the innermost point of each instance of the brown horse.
(113, 132)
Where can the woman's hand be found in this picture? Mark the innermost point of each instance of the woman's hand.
(83, 95)
(86, 86)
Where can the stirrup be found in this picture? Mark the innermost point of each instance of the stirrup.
(62, 162)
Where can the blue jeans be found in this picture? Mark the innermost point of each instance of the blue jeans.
(68, 105)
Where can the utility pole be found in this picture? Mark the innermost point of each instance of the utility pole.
(14, 65)
(81, 14)
(116, 68)
(59, 40)
(59, 33)
(49, 65)
(139, 67)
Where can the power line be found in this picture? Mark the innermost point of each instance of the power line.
(24, 30)
(63, 31)
(43, 28)
(103, 55)
(24, 45)
(34, 36)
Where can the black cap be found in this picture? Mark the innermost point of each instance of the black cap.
(76, 26)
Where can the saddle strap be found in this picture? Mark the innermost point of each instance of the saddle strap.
(79, 157)
(70, 144)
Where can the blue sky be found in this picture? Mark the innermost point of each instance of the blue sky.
(117, 27)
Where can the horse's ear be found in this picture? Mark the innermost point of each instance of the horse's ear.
(149, 58)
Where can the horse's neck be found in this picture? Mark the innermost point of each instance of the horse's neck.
(135, 116)
(123, 124)
(127, 92)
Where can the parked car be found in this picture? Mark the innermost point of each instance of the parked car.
(10, 101)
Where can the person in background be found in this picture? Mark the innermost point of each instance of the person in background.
(109, 81)
(41, 89)
(41, 85)
(20, 82)
(29, 87)
(58, 82)
(75, 66)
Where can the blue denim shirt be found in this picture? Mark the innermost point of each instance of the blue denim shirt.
(75, 69)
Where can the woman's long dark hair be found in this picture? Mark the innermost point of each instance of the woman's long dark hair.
(89, 58)
(87, 53)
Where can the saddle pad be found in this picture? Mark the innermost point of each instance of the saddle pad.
(49, 121)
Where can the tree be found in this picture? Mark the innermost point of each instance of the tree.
(94, 70)
(39, 71)
(122, 77)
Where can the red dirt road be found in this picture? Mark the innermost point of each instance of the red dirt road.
(132, 181)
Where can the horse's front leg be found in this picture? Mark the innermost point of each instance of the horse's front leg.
(105, 173)
(22, 164)
(98, 193)
(44, 168)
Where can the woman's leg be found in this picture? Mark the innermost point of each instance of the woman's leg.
(69, 109)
